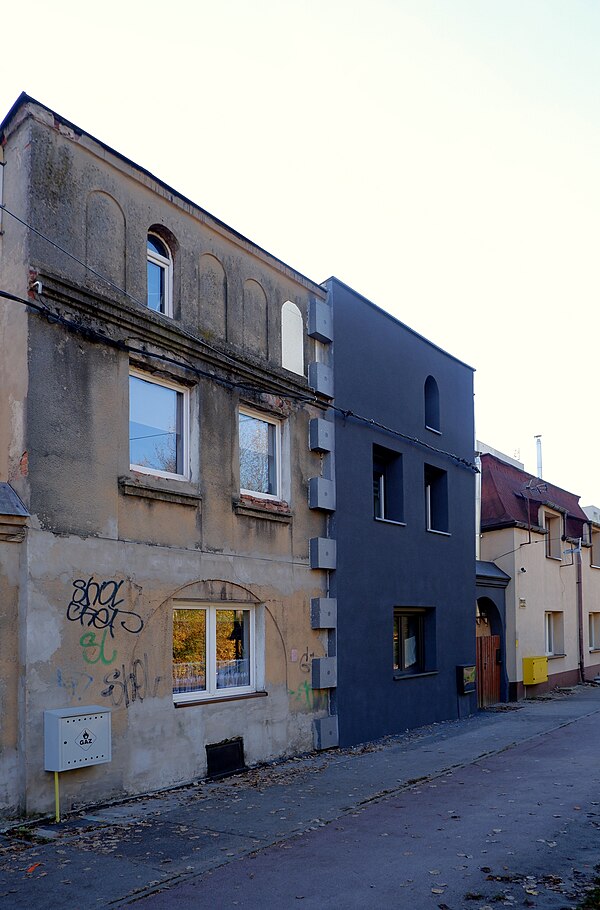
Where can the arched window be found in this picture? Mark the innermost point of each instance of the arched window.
(432, 404)
(292, 338)
(160, 276)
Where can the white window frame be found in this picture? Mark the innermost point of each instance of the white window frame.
(595, 547)
(166, 264)
(554, 633)
(211, 692)
(276, 424)
(185, 427)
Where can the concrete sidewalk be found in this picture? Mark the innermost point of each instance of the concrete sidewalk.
(123, 852)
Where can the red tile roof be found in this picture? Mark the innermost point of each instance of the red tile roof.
(510, 496)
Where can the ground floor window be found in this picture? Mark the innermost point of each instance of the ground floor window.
(413, 640)
(554, 633)
(213, 651)
(594, 631)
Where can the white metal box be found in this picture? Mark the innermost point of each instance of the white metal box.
(76, 737)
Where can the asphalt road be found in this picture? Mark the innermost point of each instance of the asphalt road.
(520, 828)
(500, 809)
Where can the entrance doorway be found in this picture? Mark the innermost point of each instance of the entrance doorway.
(489, 659)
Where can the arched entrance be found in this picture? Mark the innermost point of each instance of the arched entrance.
(489, 653)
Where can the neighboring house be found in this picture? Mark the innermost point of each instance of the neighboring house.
(158, 553)
(404, 524)
(539, 537)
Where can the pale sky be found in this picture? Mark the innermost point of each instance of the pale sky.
(439, 156)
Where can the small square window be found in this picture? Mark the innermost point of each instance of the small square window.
(157, 426)
(436, 499)
(414, 641)
(260, 445)
(213, 652)
(388, 493)
(554, 633)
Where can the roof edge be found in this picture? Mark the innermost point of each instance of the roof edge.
(24, 99)
(332, 279)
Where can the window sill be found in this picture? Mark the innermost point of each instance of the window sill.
(130, 487)
(390, 521)
(262, 508)
(441, 533)
(555, 656)
(433, 430)
(399, 676)
(217, 699)
(555, 558)
(593, 650)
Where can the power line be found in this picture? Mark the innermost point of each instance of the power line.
(98, 336)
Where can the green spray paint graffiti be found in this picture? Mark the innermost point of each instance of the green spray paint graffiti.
(314, 699)
(93, 651)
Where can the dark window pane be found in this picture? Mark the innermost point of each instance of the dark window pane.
(157, 246)
(156, 287)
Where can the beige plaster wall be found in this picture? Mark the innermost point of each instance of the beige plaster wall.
(70, 663)
(545, 585)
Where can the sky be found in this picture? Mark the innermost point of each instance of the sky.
(439, 156)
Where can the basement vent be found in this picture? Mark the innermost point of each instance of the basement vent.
(225, 758)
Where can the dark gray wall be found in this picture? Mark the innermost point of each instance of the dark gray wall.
(380, 371)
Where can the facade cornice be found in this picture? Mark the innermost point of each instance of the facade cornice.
(138, 327)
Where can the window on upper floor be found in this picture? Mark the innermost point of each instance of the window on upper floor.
(595, 547)
(292, 338)
(160, 276)
(436, 499)
(553, 526)
(413, 641)
(260, 454)
(432, 404)
(388, 493)
(554, 633)
(158, 426)
(214, 651)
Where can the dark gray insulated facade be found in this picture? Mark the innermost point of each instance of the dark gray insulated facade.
(404, 524)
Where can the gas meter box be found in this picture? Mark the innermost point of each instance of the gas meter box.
(535, 670)
(76, 737)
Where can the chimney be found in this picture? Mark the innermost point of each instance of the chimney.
(538, 443)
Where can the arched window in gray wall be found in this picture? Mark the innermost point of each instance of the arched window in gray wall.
(160, 276)
(292, 338)
(432, 404)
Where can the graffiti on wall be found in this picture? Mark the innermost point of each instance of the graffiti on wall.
(97, 605)
(74, 682)
(134, 683)
(314, 699)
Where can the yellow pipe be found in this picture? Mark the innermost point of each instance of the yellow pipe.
(56, 797)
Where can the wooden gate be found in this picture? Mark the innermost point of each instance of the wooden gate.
(488, 670)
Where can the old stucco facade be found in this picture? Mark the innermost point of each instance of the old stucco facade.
(91, 578)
